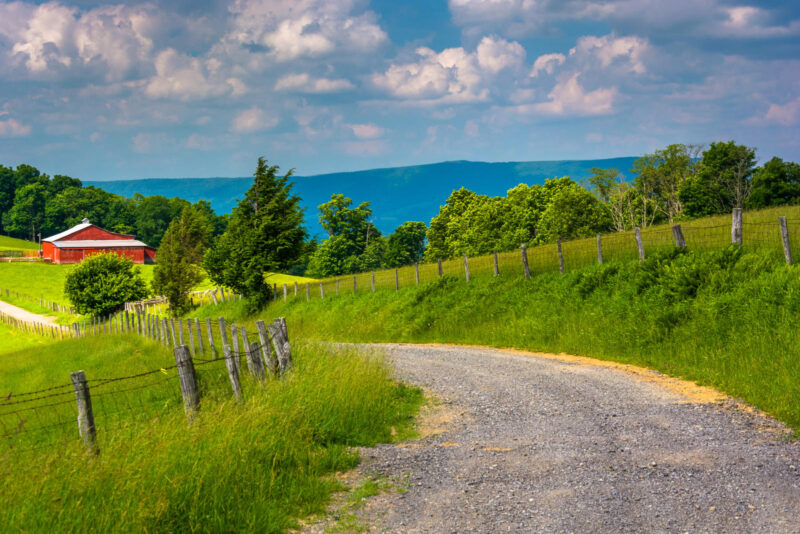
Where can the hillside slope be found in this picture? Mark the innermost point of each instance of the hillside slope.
(396, 194)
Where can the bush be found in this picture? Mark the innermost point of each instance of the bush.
(102, 284)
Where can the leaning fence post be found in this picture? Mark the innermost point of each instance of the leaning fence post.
(86, 426)
(416, 273)
(637, 234)
(233, 371)
(200, 346)
(191, 337)
(599, 249)
(258, 363)
(295, 288)
(251, 366)
(188, 379)
(223, 334)
(496, 265)
(677, 233)
(524, 250)
(235, 341)
(736, 226)
(280, 338)
(172, 331)
(466, 267)
(266, 350)
(560, 257)
(787, 251)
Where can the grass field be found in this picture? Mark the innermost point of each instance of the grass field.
(721, 318)
(288, 279)
(11, 243)
(252, 466)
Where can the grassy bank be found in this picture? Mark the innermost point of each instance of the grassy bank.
(726, 319)
(11, 243)
(256, 465)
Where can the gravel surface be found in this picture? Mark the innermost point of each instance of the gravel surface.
(538, 445)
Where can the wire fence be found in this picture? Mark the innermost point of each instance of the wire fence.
(40, 301)
(93, 408)
(567, 255)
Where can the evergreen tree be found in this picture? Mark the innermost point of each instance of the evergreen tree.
(179, 258)
(265, 233)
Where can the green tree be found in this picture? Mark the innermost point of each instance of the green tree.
(8, 187)
(660, 177)
(26, 216)
(406, 245)
(179, 258)
(722, 181)
(574, 212)
(153, 215)
(776, 183)
(102, 284)
(440, 232)
(354, 244)
(265, 234)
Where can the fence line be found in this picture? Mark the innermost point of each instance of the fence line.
(32, 420)
(42, 302)
(567, 255)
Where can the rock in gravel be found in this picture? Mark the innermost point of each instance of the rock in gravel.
(531, 444)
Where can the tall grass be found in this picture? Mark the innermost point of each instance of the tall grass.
(250, 466)
(725, 318)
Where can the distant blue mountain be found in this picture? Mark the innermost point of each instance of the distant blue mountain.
(395, 194)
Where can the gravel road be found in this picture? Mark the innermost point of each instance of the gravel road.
(540, 445)
(25, 315)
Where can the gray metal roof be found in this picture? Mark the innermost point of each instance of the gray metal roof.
(100, 243)
(65, 233)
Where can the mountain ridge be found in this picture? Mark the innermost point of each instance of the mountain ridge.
(396, 194)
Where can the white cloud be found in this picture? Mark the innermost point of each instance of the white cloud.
(252, 120)
(304, 28)
(749, 21)
(569, 98)
(306, 84)
(787, 114)
(13, 128)
(452, 75)
(366, 131)
(609, 48)
(547, 63)
(187, 78)
(147, 143)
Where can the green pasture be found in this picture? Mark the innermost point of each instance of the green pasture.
(12, 243)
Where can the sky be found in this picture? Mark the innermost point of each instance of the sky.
(193, 88)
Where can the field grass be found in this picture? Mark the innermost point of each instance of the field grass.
(727, 319)
(11, 243)
(13, 340)
(288, 279)
(256, 465)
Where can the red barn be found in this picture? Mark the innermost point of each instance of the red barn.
(86, 239)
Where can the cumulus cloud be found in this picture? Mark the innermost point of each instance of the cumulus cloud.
(609, 48)
(304, 83)
(253, 120)
(13, 128)
(187, 78)
(304, 28)
(452, 75)
(547, 63)
(366, 131)
(569, 98)
(787, 114)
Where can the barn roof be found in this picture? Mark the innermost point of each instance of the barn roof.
(100, 243)
(65, 233)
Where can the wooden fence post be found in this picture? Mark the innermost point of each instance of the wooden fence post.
(86, 427)
(280, 338)
(200, 346)
(285, 292)
(235, 342)
(251, 366)
(337, 287)
(677, 233)
(266, 349)
(787, 251)
(525, 269)
(188, 379)
(223, 332)
(396, 279)
(496, 264)
(637, 234)
(321, 291)
(560, 257)
(258, 363)
(466, 267)
(372, 281)
(210, 334)
(439, 261)
(736, 226)
(191, 337)
(599, 249)
(172, 331)
(295, 288)
(233, 371)
(354, 285)
(416, 273)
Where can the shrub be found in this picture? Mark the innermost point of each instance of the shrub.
(102, 284)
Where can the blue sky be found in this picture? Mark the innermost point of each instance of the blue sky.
(192, 88)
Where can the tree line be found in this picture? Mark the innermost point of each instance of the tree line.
(33, 203)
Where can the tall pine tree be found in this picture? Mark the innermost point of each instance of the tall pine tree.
(265, 234)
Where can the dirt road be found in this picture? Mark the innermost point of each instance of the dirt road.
(529, 444)
(25, 315)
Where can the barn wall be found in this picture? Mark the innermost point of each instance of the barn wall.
(95, 232)
(76, 255)
(47, 251)
(149, 255)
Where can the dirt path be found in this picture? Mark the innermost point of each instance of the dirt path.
(25, 315)
(555, 444)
